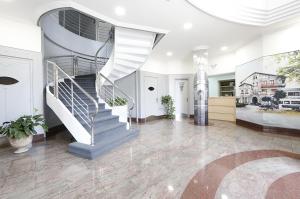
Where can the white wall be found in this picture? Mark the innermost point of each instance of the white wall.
(283, 39)
(279, 38)
(20, 35)
(172, 66)
(222, 64)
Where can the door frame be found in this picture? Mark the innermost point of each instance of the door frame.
(145, 97)
(188, 95)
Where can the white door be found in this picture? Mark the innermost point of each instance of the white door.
(151, 95)
(15, 88)
(181, 96)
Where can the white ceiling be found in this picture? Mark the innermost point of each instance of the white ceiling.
(165, 14)
(252, 12)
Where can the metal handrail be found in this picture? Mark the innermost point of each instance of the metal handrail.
(56, 92)
(98, 51)
(119, 89)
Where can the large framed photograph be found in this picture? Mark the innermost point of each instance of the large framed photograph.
(268, 91)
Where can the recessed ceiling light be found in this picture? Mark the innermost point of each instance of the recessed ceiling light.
(224, 48)
(120, 11)
(187, 25)
(169, 54)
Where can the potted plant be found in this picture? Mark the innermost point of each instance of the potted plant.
(168, 103)
(20, 132)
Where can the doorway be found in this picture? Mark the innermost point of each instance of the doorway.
(151, 96)
(15, 88)
(181, 97)
(254, 100)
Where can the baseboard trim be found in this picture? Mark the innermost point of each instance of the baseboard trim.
(268, 129)
(148, 119)
(38, 138)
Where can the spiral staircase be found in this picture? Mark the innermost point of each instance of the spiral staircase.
(81, 89)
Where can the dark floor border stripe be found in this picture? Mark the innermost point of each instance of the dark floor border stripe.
(269, 129)
(206, 182)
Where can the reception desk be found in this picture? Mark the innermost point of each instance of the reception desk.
(222, 108)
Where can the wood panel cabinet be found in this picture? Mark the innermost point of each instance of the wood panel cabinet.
(222, 108)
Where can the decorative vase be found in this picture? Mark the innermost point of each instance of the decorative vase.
(22, 145)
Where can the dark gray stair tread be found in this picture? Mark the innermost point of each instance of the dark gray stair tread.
(99, 112)
(90, 104)
(110, 127)
(102, 119)
(86, 76)
(91, 152)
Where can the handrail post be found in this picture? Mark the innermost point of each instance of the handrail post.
(129, 112)
(72, 97)
(92, 130)
(75, 65)
(55, 71)
(113, 95)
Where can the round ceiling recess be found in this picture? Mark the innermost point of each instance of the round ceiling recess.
(250, 12)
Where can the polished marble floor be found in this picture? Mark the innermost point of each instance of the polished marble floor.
(161, 163)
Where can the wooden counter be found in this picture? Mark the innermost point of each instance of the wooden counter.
(221, 108)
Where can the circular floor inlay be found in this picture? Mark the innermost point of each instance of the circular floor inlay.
(286, 187)
(209, 178)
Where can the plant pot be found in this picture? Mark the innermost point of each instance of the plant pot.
(22, 145)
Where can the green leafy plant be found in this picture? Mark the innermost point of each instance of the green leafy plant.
(279, 94)
(118, 101)
(168, 103)
(23, 127)
(292, 69)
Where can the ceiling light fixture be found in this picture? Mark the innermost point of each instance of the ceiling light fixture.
(224, 48)
(120, 11)
(169, 54)
(187, 25)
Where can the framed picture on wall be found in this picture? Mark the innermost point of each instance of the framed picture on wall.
(268, 91)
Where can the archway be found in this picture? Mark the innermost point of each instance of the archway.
(254, 100)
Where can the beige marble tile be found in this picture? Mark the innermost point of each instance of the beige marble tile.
(157, 164)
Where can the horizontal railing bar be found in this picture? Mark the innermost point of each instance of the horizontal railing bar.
(85, 93)
(79, 102)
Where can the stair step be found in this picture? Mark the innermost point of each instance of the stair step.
(118, 72)
(90, 105)
(123, 69)
(133, 34)
(132, 50)
(134, 42)
(109, 132)
(101, 113)
(100, 122)
(127, 64)
(130, 57)
(83, 84)
(93, 76)
(101, 147)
